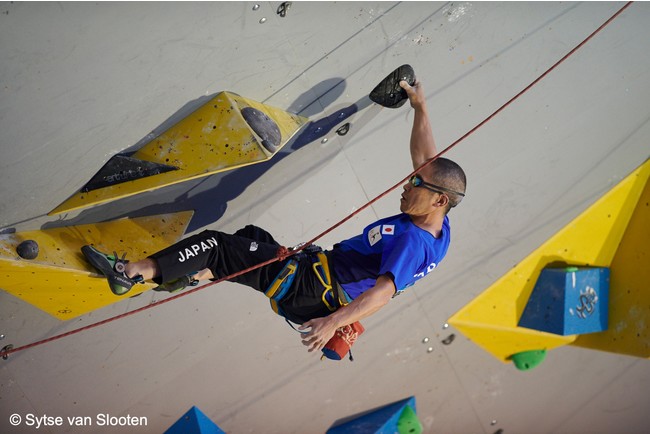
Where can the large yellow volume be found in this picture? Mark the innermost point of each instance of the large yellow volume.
(60, 282)
(227, 132)
(614, 233)
(629, 299)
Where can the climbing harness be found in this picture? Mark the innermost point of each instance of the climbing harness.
(333, 297)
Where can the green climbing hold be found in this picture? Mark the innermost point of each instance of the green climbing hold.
(527, 360)
(408, 422)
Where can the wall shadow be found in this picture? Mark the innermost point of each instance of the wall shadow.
(209, 196)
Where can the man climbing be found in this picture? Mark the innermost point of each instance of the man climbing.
(322, 291)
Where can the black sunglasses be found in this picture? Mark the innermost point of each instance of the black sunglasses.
(417, 181)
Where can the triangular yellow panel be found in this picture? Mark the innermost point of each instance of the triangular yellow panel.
(490, 320)
(60, 281)
(212, 139)
(629, 299)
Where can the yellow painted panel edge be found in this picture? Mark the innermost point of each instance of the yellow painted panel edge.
(502, 342)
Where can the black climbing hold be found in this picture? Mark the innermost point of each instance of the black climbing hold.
(264, 127)
(388, 92)
(283, 9)
(449, 339)
(120, 169)
(343, 129)
(28, 249)
(5, 350)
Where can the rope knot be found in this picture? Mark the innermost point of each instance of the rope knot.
(283, 253)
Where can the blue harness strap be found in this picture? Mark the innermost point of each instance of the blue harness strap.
(281, 284)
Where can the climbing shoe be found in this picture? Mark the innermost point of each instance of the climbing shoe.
(113, 267)
(177, 284)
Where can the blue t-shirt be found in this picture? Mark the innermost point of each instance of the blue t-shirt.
(393, 246)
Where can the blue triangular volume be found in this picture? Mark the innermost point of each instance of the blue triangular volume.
(194, 422)
(380, 421)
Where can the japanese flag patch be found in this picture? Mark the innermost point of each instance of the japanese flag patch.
(388, 229)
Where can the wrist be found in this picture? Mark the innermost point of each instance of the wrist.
(419, 106)
(336, 319)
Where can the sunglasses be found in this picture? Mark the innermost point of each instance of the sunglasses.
(417, 181)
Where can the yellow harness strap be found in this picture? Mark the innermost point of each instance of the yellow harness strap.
(322, 270)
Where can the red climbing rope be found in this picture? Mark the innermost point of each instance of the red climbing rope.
(9, 349)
